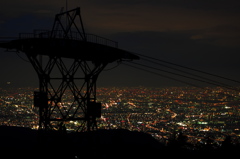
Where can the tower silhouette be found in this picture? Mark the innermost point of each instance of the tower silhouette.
(67, 61)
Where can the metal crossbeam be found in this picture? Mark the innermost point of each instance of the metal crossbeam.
(71, 25)
(49, 52)
(56, 112)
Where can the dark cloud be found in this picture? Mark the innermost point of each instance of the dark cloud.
(24, 24)
(199, 34)
(175, 47)
(168, 45)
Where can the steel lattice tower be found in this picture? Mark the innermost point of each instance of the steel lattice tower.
(67, 61)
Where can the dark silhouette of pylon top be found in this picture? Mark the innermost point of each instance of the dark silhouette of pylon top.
(89, 55)
(70, 41)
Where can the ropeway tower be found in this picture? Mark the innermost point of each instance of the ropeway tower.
(68, 62)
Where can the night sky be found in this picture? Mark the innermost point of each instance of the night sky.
(199, 34)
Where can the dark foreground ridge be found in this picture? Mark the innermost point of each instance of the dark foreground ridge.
(18, 142)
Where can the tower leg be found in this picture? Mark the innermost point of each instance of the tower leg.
(70, 92)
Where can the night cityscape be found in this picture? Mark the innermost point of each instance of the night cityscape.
(197, 113)
(119, 79)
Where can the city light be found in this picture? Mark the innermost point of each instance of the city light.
(157, 111)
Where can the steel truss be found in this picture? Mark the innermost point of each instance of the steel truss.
(68, 63)
(67, 87)
(59, 81)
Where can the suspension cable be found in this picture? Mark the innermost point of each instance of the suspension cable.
(142, 69)
(185, 67)
(192, 74)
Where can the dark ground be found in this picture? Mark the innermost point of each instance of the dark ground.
(17, 142)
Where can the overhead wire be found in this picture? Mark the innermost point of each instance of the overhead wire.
(177, 74)
(185, 67)
(191, 74)
(112, 67)
(142, 69)
(21, 57)
(199, 78)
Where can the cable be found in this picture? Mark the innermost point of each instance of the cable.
(182, 76)
(176, 74)
(112, 67)
(21, 57)
(188, 68)
(162, 75)
(223, 84)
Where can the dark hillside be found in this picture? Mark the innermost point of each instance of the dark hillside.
(17, 142)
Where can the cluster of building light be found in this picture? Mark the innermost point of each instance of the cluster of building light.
(158, 111)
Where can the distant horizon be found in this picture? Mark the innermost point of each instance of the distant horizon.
(202, 35)
(139, 86)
